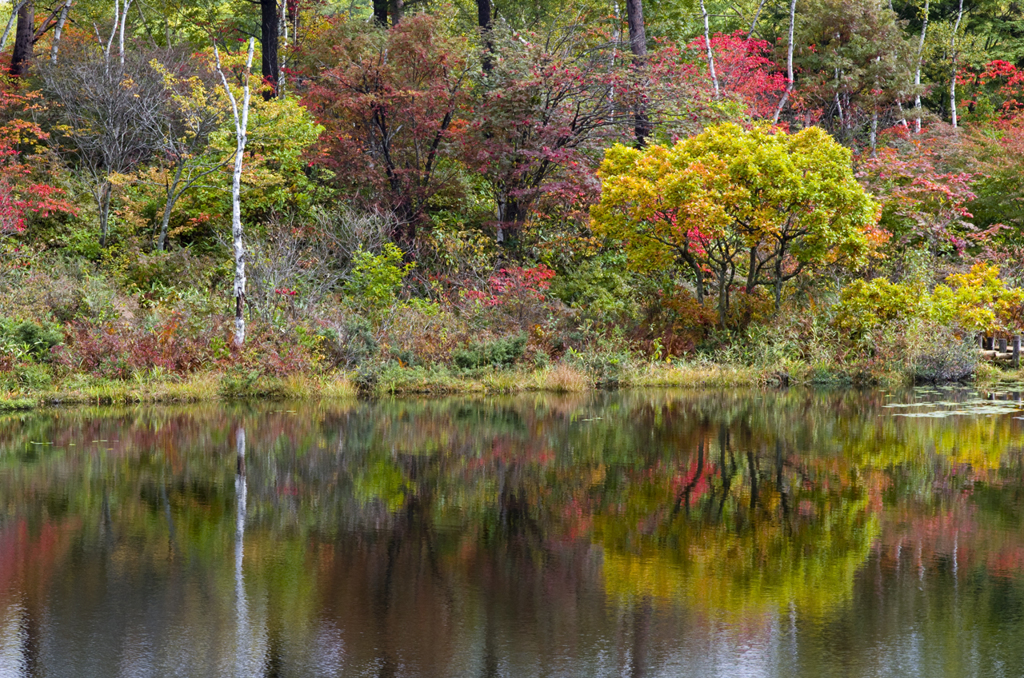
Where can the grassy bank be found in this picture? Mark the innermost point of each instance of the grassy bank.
(398, 380)
(215, 386)
(202, 387)
(991, 376)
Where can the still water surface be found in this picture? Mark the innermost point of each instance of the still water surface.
(737, 533)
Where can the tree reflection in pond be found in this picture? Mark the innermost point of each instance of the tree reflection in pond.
(639, 533)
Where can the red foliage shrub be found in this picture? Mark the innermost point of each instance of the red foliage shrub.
(745, 70)
(676, 322)
(518, 292)
(274, 353)
(117, 351)
(21, 191)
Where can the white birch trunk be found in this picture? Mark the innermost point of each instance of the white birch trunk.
(757, 15)
(789, 65)
(874, 132)
(113, 33)
(952, 74)
(120, 39)
(707, 44)
(917, 71)
(61, 20)
(241, 125)
(873, 135)
(283, 50)
(903, 116)
(242, 630)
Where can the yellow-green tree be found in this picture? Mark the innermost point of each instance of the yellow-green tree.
(977, 300)
(758, 204)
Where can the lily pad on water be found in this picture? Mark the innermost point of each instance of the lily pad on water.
(991, 404)
(910, 404)
(938, 414)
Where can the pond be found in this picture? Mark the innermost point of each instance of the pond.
(634, 533)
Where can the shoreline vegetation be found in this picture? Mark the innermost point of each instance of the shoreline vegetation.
(560, 378)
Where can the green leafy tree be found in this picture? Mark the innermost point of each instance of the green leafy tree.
(854, 62)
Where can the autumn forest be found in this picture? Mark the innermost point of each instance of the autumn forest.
(228, 199)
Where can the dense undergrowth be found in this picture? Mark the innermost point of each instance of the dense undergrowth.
(74, 332)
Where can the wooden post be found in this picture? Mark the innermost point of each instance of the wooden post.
(1016, 351)
(1002, 344)
(981, 340)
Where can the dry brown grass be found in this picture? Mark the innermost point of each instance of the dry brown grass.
(561, 378)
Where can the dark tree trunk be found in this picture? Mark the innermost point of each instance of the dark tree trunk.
(723, 298)
(396, 11)
(778, 281)
(511, 213)
(380, 12)
(637, 30)
(23, 39)
(638, 46)
(269, 28)
(483, 16)
(698, 274)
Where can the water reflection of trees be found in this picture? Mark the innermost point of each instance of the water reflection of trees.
(455, 530)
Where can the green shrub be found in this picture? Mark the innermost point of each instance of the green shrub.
(33, 377)
(607, 364)
(17, 404)
(366, 379)
(376, 279)
(406, 357)
(945, 358)
(351, 343)
(502, 352)
(600, 288)
(243, 384)
(30, 338)
(864, 306)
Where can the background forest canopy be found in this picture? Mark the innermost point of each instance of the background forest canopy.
(445, 186)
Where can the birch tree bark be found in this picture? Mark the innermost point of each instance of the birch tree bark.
(873, 134)
(952, 74)
(58, 29)
(753, 23)
(917, 70)
(283, 30)
(707, 44)
(120, 38)
(241, 125)
(789, 65)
